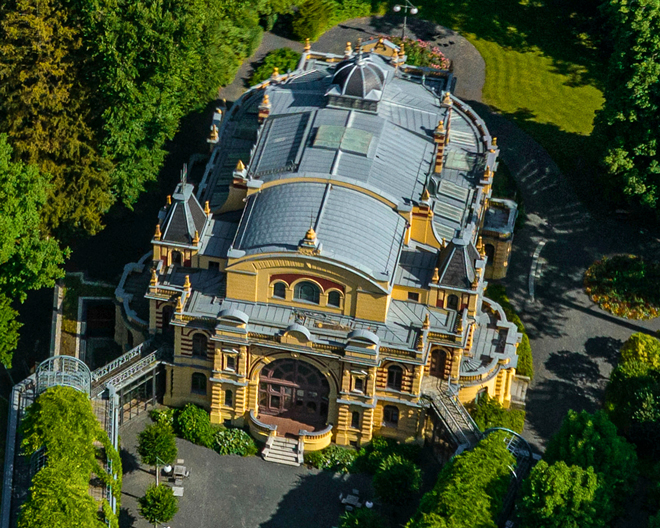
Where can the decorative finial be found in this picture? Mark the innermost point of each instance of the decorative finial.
(213, 136)
(440, 129)
(276, 72)
(349, 48)
(240, 166)
(266, 100)
(195, 239)
(444, 242)
(426, 196)
(480, 243)
(157, 234)
(186, 285)
(420, 342)
(402, 51)
(459, 326)
(207, 208)
(436, 276)
(427, 322)
(169, 199)
(310, 235)
(308, 46)
(494, 142)
(154, 277)
(179, 305)
(447, 100)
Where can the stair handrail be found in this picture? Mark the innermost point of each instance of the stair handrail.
(453, 396)
(121, 360)
(436, 401)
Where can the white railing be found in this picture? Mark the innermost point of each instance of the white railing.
(121, 360)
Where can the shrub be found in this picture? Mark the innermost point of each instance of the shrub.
(525, 367)
(489, 413)
(421, 53)
(370, 457)
(284, 59)
(654, 522)
(470, 488)
(159, 504)
(333, 458)
(235, 442)
(397, 480)
(167, 416)
(193, 424)
(157, 441)
(363, 518)
(562, 496)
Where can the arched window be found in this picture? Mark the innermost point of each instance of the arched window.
(308, 292)
(334, 298)
(394, 377)
(200, 345)
(198, 385)
(279, 290)
(355, 420)
(452, 302)
(229, 398)
(390, 416)
(177, 258)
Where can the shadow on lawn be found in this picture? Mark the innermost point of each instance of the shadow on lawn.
(562, 30)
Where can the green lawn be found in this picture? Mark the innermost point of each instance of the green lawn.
(542, 68)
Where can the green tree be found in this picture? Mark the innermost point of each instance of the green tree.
(29, 259)
(312, 19)
(470, 488)
(627, 120)
(654, 522)
(284, 59)
(397, 480)
(364, 518)
(562, 496)
(643, 348)
(159, 505)
(193, 424)
(591, 441)
(9, 328)
(157, 441)
(45, 110)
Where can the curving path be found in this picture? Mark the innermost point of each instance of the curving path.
(575, 343)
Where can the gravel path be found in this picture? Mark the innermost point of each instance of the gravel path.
(575, 343)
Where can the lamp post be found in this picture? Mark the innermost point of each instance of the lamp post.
(407, 6)
(158, 460)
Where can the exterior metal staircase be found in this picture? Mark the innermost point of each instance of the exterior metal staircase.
(443, 399)
(283, 451)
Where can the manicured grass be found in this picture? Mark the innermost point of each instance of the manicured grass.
(542, 69)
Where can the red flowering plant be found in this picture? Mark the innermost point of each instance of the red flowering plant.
(422, 53)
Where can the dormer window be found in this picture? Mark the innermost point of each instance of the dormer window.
(334, 298)
(307, 292)
(452, 302)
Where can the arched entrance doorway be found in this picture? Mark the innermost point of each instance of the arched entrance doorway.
(439, 363)
(293, 389)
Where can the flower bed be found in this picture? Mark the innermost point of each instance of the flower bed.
(625, 285)
(422, 53)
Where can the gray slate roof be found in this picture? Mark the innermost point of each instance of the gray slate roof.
(458, 263)
(183, 217)
(352, 227)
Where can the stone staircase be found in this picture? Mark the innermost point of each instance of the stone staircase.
(452, 413)
(283, 451)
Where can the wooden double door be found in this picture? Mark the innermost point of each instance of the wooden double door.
(294, 389)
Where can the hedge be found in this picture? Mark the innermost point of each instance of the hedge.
(315, 17)
(497, 293)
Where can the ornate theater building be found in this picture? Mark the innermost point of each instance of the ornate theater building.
(325, 277)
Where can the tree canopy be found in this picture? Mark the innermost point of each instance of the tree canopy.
(628, 120)
(562, 496)
(470, 489)
(157, 441)
(159, 505)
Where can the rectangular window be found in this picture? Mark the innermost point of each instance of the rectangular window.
(355, 420)
(215, 266)
(413, 296)
(358, 385)
(230, 363)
